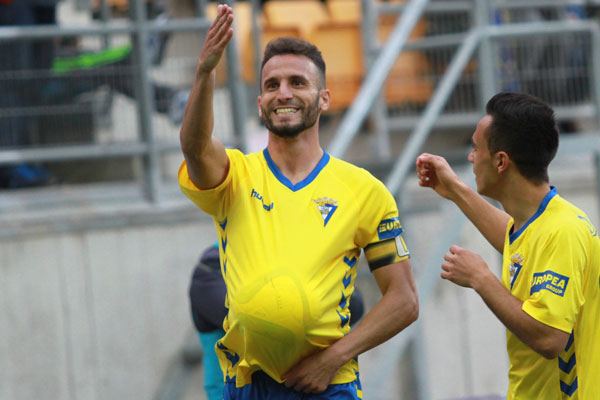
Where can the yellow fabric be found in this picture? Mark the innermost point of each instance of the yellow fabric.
(289, 257)
(553, 265)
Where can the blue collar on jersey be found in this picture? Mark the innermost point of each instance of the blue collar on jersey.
(514, 235)
(306, 181)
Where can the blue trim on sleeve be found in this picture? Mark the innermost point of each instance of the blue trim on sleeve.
(306, 181)
(513, 236)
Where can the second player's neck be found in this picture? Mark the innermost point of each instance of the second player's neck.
(296, 158)
(524, 205)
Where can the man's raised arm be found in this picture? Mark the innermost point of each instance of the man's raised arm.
(205, 155)
(434, 172)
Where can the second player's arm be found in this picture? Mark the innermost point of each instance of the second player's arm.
(435, 172)
(488, 219)
(468, 269)
(205, 155)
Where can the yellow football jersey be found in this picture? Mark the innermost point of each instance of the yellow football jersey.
(289, 256)
(553, 265)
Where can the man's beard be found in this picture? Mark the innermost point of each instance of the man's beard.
(309, 118)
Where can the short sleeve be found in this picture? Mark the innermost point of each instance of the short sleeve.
(213, 201)
(556, 288)
(379, 219)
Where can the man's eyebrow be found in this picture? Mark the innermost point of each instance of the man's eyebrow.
(301, 77)
(269, 80)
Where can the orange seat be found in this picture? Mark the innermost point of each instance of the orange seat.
(341, 47)
(407, 81)
(344, 11)
(304, 15)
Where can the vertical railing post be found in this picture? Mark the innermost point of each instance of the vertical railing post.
(258, 44)
(593, 73)
(378, 114)
(487, 75)
(145, 101)
(237, 93)
(200, 6)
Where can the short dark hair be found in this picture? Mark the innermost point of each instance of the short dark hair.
(525, 128)
(289, 45)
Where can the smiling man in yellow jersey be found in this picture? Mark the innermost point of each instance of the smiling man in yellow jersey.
(549, 297)
(292, 222)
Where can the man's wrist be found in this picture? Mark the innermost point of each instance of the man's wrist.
(337, 354)
(482, 281)
(456, 191)
(203, 74)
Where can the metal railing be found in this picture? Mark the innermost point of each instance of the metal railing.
(80, 107)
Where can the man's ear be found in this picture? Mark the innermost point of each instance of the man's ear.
(258, 100)
(502, 161)
(324, 99)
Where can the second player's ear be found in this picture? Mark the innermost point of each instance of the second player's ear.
(502, 161)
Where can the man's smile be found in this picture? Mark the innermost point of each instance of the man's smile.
(285, 110)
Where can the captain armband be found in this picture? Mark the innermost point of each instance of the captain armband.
(386, 252)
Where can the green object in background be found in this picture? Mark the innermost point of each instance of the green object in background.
(91, 60)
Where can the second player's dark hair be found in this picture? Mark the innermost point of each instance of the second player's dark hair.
(525, 128)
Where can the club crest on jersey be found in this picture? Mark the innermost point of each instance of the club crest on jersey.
(551, 281)
(326, 208)
(389, 228)
(516, 263)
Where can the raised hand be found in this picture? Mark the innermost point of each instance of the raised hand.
(435, 172)
(218, 36)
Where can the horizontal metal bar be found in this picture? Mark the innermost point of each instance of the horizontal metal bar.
(436, 41)
(116, 27)
(469, 119)
(506, 4)
(454, 120)
(537, 28)
(432, 7)
(73, 152)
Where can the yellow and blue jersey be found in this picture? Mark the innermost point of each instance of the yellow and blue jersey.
(552, 264)
(289, 256)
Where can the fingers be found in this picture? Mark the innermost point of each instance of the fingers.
(454, 249)
(220, 28)
(425, 169)
(218, 36)
(449, 257)
(446, 266)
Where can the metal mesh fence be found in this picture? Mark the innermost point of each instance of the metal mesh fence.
(78, 88)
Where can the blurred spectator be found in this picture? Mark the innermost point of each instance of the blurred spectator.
(16, 92)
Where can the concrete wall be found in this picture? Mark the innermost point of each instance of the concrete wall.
(95, 314)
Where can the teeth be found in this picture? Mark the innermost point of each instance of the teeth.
(285, 111)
